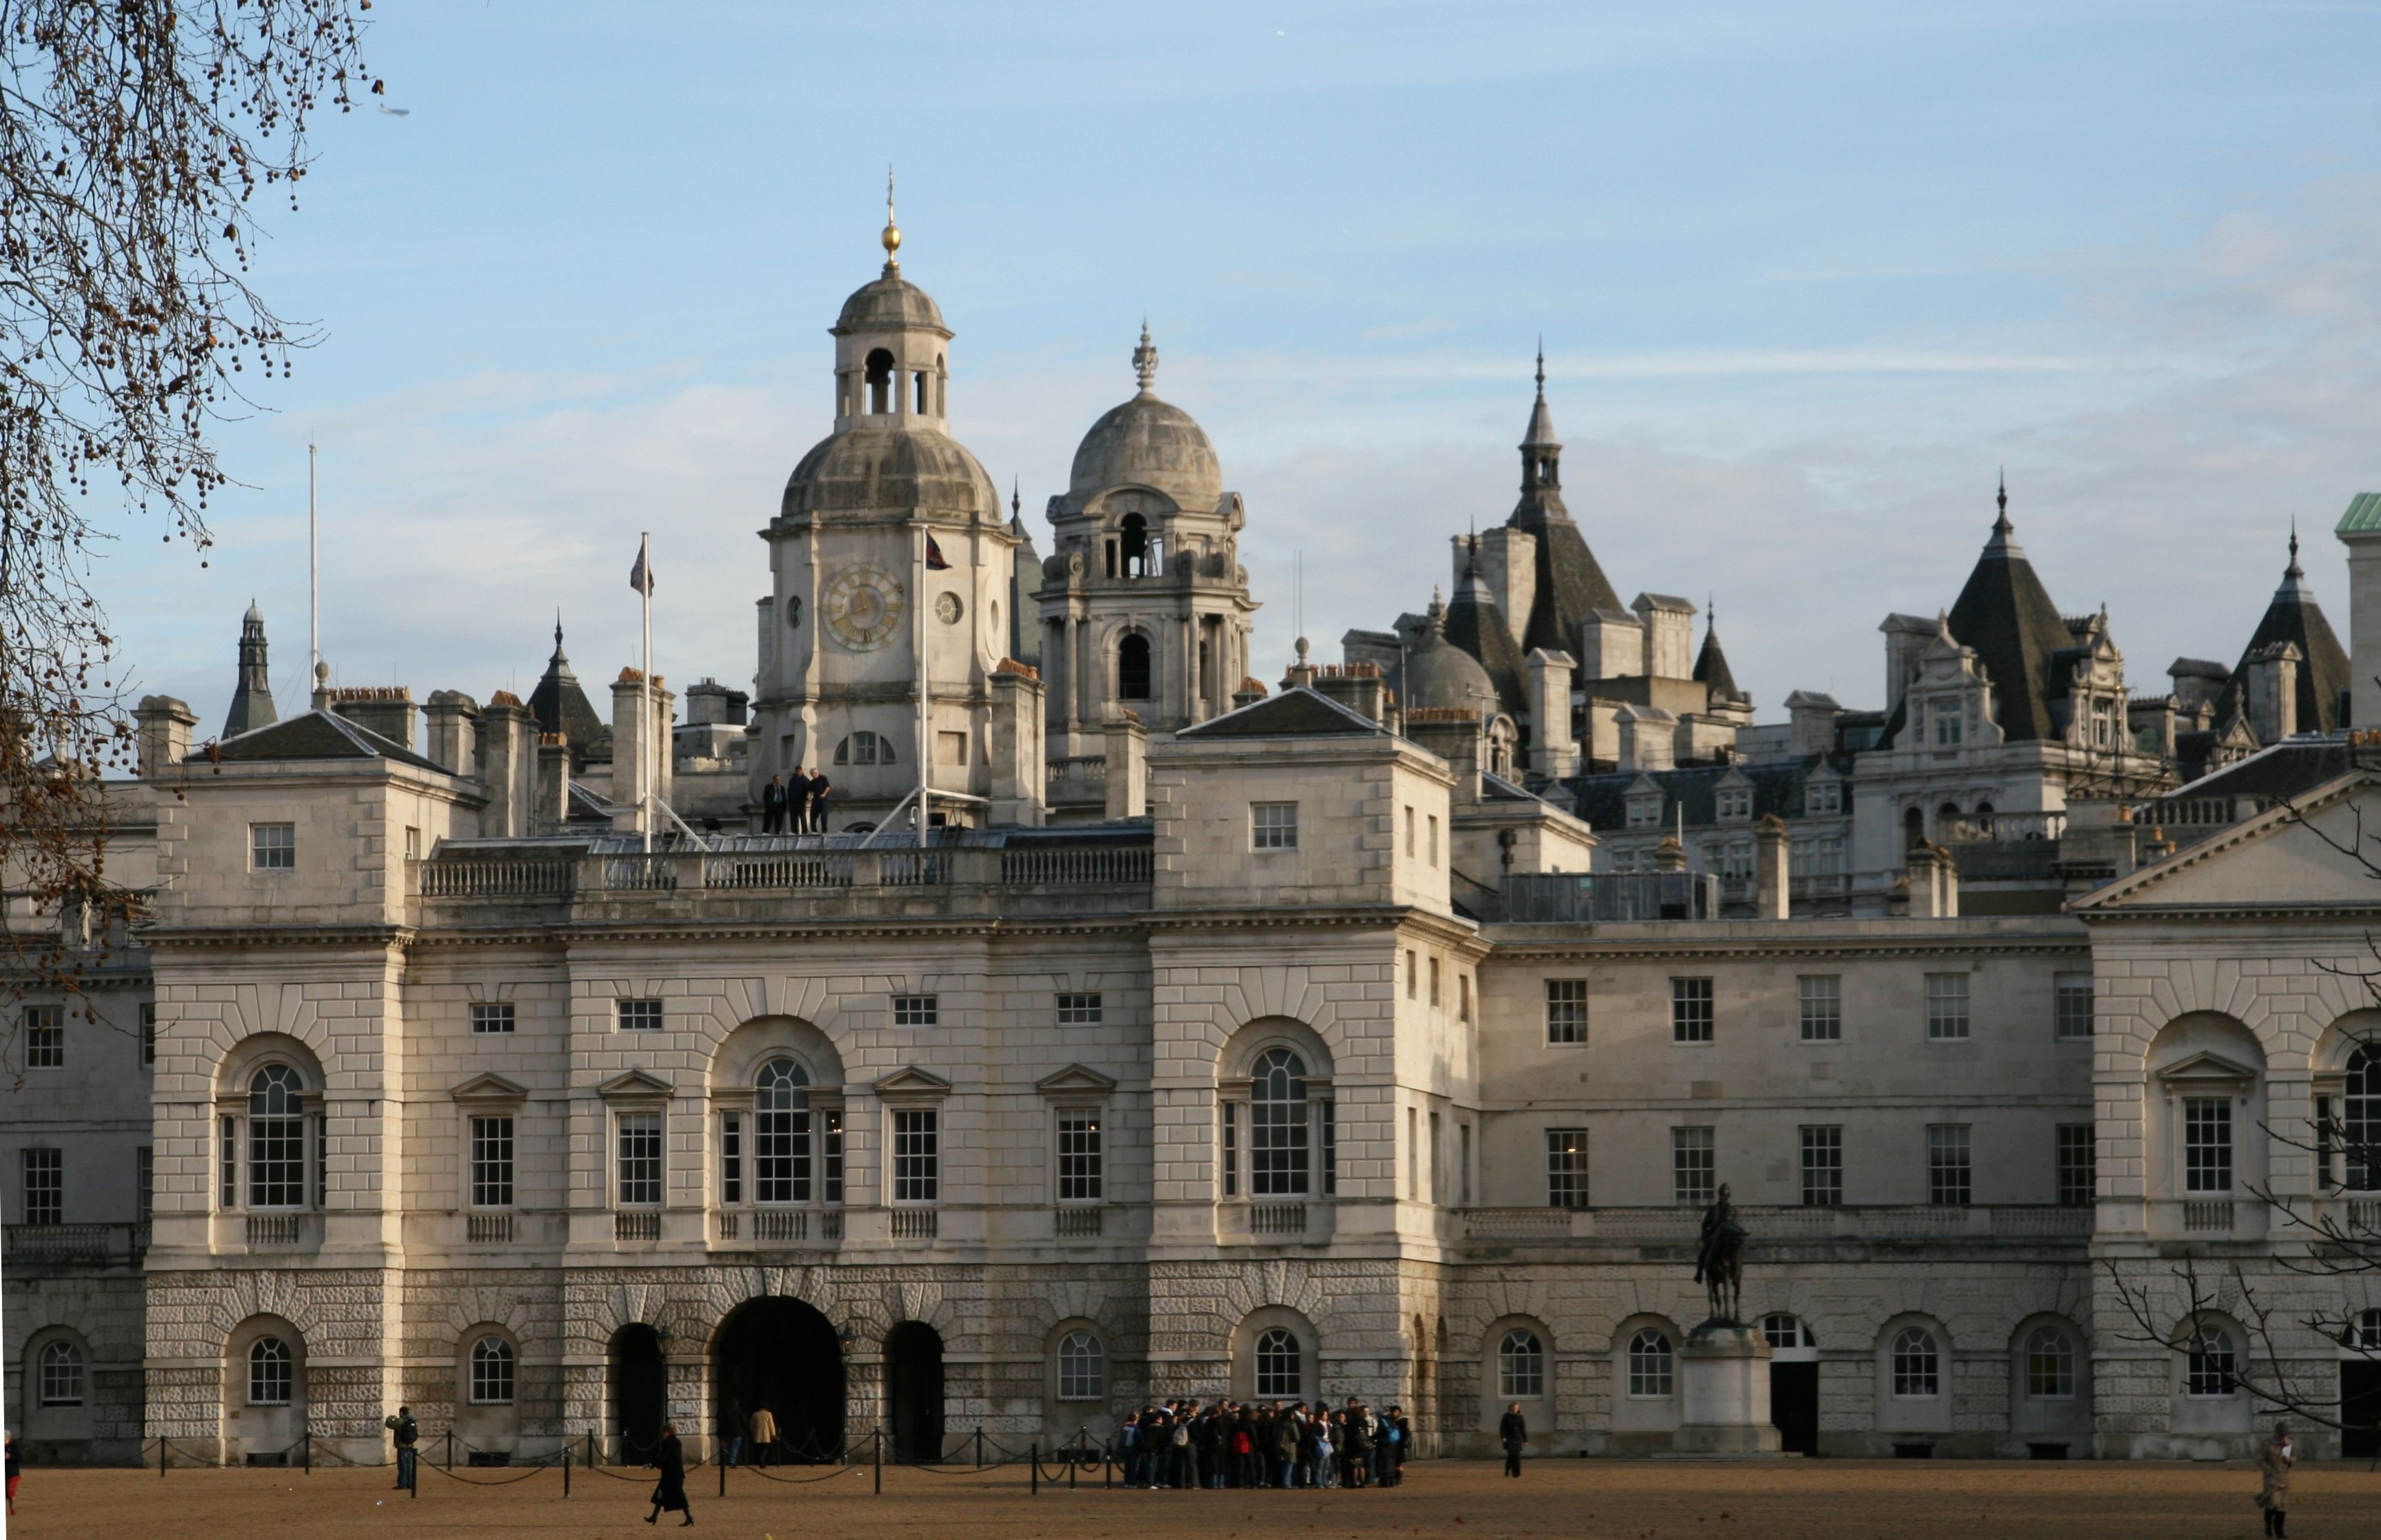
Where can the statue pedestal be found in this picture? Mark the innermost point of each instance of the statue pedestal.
(1725, 1393)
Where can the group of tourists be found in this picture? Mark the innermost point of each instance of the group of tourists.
(1187, 1444)
(797, 809)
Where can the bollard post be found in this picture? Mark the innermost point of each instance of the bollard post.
(979, 1446)
(1107, 1466)
(591, 1448)
(722, 1478)
(1034, 1462)
(162, 1451)
(877, 1443)
(565, 1469)
(306, 1456)
(450, 1450)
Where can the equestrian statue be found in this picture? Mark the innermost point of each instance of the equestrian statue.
(1719, 1259)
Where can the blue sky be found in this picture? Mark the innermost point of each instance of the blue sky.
(1808, 276)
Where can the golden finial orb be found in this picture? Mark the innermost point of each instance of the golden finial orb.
(892, 236)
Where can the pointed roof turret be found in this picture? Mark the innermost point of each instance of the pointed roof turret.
(1571, 584)
(560, 707)
(1541, 434)
(2006, 617)
(251, 701)
(2324, 673)
(1711, 664)
(1476, 625)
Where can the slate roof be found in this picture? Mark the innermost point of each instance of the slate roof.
(1571, 584)
(2004, 614)
(560, 707)
(1602, 800)
(1711, 668)
(317, 735)
(1299, 712)
(1477, 624)
(2324, 673)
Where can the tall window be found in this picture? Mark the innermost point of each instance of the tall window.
(1821, 996)
(1917, 1365)
(1694, 1165)
(276, 1139)
(1230, 1141)
(641, 1159)
(1951, 1179)
(144, 1182)
(492, 1372)
(2207, 1143)
(831, 1153)
(2077, 1162)
(1273, 825)
(272, 1372)
(917, 1155)
(1566, 1010)
(1081, 1367)
(781, 1133)
(1278, 1126)
(492, 1162)
(1566, 1168)
(1650, 1365)
(45, 1172)
(273, 846)
(1947, 1007)
(2075, 999)
(45, 1037)
(61, 1375)
(1521, 1366)
(1132, 669)
(149, 1034)
(1823, 1165)
(1279, 1376)
(2210, 1368)
(1691, 1011)
(731, 1158)
(2049, 1365)
(2360, 1121)
(1079, 1158)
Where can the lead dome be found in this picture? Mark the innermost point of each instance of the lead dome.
(1149, 442)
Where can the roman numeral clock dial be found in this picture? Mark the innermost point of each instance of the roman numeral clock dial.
(864, 606)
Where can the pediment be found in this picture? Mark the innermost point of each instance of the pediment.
(2211, 1070)
(1076, 1079)
(910, 1081)
(2304, 856)
(635, 1085)
(488, 1088)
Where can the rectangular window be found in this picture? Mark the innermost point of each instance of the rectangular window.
(1823, 1165)
(1413, 1154)
(1645, 811)
(731, 1158)
(1278, 1138)
(641, 1159)
(641, 1016)
(1463, 996)
(1079, 1158)
(2078, 1163)
(1410, 833)
(413, 843)
(831, 1150)
(1947, 1007)
(1821, 996)
(1432, 821)
(1566, 1010)
(277, 1159)
(1951, 1180)
(1735, 802)
(144, 1182)
(149, 1034)
(45, 1037)
(45, 1187)
(273, 846)
(1413, 972)
(1947, 723)
(1831, 856)
(228, 1157)
(1434, 984)
(1463, 1163)
(1691, 1011)
(1273, 825)
(1820, 797)
(492, 1163)
(2207, 1143)
(1231, 1148)
(917, 1155)
(1694, 1165)
(498, 1016)
(1566, 1168)
(1327, 1117)
(1079, 1010)
(2074, 1007)
(1438, 1168)
(917, 1010)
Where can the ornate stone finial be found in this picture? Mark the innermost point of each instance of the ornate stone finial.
(1145, 359)
(2294, 548)
(1301, 652)
(892, 236)
(1542, 366)
(1016, 498)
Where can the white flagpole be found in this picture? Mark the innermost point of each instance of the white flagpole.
(918, 623)
(313, 586)
(645, 697)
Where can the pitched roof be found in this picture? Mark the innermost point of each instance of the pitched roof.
(317, 735)
(1602, 800)
(1711, 668)
(1477, 624)
(1297, 711)
(2363, 517)
(1569, 583)
(2006, 616)
(2323, 672)
(560, 707)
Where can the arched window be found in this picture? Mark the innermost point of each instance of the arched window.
(1132, 669)
(1134, 543)
(918, 392)
(880, 382)
(1649, 1364)
(492, 1372)
(1521, 1366)
(272, 1372)
(781, 1133)
(1917, 1365)
(1082, 1368)
(1784, 1331)
(2212, 1369)
(1913, 828)
(2361, 1126)
(276, 1139)
(864, 748)
(61, 1375)
(1278, 1126)
(2049, 1365)
(1279, 1369)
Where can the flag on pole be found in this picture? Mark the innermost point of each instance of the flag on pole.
(641, 576)
(934, 562)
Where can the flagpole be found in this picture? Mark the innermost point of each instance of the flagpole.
(313, 586)
(918, 623)
(645, 698)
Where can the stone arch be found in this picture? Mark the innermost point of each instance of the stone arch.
(261, 1294)
(2201, 1056)
(2038, 1413)
(740, 1055)
(1245, 1046)
(1495, 1394)
(72, 1421)
(2349, 1032)
(1280, 1283)
(1643, 1421)
(1914, 1412)
(1254, 1335)
(239, 1062)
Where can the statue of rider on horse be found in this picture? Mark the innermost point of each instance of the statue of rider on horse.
(1719, 1259)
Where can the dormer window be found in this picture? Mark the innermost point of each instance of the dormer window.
(1645, 810)
(1822, 797)
(1949, 724)
(1735, 804)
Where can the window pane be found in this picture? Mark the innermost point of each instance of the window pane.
(917, 1155)
(270, 1373)
(1566, 1168)
(2207, 1143)
(1079, 1010)
(641, 1016)
(1277, 1117)
(1649, 1364)
(45, 1037)
(781, 1133)
(2074, 1005)
(641, 1158)
(1917, 1371)
(1947, 1007)
(1823, 1165)
(917, 1010)
(1274, 825)
(492, 1372)
(1948, 1176)
(1566, 1010)
(1079, 1158)
(1521, 1366)
(2078, 1157)
(1079, 1367)
(1691, 1011)
(1821, 998)
(1278, 1375)
(1694, 1165)
(61, 1375)
(2049, 1365)
(492, 1162)
(487, 1017)
(44, 1186)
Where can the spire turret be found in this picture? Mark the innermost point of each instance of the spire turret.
(251, 701)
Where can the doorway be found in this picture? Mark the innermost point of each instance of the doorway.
(782, 1354)
(2360, 1410)
(1794, 1405)
(639, 1387)
(913, 1391)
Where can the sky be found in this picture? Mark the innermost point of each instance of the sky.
(1809, 278)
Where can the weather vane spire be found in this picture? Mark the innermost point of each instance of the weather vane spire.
(1542, 366)
(892, 236)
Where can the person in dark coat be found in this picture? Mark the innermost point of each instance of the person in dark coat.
(669, 1492)
(1512, 1432)
(819, 789)
(773, 806)
(797, 802)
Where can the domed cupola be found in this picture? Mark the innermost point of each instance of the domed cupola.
(1148, 442)
(1436, 674)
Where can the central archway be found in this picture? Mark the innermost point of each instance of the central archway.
(782, 1354)
(914, 1386)
(639, 1387)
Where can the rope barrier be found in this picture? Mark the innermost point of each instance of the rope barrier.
(801, 1481)
(538, 1470)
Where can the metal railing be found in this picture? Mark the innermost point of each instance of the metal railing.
(1611, 897)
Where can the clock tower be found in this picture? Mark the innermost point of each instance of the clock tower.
(892, 563)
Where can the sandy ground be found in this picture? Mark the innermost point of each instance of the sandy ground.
(1625, 1500)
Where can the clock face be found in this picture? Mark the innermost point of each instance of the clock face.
(863, 606)
(947, 608)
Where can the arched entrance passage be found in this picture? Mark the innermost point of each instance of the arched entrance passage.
(782, 1354)
(639, 1387)
(913, 1391)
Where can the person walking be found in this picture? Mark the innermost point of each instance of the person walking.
(731, 1428)
(406, 1432)
(1396, 1433)
(765, 1435)
(2273, 1461)
(1512, 1432)
(12, 1472)
(669, 1492)
(773, 806)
